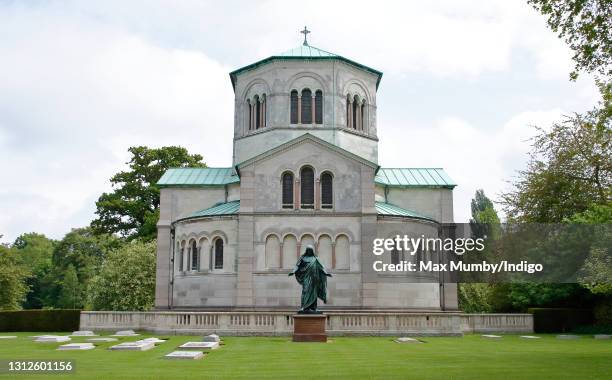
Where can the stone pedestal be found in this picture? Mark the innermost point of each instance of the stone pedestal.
(309, 328)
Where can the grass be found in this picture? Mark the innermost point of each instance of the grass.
(470, 357)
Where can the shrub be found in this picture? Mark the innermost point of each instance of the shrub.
(40, 320)
(550, 320)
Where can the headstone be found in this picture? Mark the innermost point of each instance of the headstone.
(406, 340)
(602, 336)
(489, 336)
(8, 336)
(152, 340)
(529, 337)
(125, 333)
(200, 345)
(190, 355)
(568, 337)
(133, 346)
(102, 340)
(52, 339)
(76, 346)
(211, 338)
(83, 333)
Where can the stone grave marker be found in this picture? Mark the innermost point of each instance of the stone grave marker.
(489, 336)
(52, 339)
(211, 338)
(529, 337)
(406, 340)
(152, 340)
(76, 346)
(602, 336)
(567, 336)
(189, 355)
(83, 333)
(102, 340)
(125, 333)
(200, 345)
(133, 346)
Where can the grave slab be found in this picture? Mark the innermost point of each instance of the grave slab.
(52, 339)
(185, 355)
(83, 333)
(102, 340)
(489, 336)
(529, 337)
(200, 345)
(568, 336)
(406, 340)
(76, 347)
(132, 346)
(125, 333)
(602, 336)
(8, 336)
(152, 340)
(211, 338)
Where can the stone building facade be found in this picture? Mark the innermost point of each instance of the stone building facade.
(305, 171)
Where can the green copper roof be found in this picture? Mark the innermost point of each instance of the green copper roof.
(414, 177)
(229, 208)
(304, 52)
(198, 177)
(387, 209)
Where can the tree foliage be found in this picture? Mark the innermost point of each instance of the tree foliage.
(13, 288)
(34, 252)
(132, 209)
(586, 27)
(570, 168)
(126, 281)
(71, 293)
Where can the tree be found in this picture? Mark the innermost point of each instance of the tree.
(13, 287)
(126, 281)
(570, 168)
(71, 293)
(34, 252)
(585, 26)
(132, 209)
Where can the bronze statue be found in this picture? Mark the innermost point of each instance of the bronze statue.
(310, 273)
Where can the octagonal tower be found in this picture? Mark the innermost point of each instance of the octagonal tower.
(305, 90)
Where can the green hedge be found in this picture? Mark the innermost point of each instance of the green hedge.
(552, 320)
(40, 320)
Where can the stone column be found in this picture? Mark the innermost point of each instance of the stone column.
(263, 113)
(350, 113)
(333, 254)
(317, 194)
(299, 109)
(296, 194)
(313, 108)
(280, 261)
(358, 125)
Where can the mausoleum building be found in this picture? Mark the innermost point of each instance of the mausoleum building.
(305, 170)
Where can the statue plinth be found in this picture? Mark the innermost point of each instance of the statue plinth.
(309, 328)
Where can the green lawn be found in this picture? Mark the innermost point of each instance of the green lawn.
(468, 357)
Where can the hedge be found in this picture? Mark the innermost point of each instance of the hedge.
(552, 320)
(40, 320)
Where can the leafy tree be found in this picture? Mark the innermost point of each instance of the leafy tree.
(13, 287)
(71, 293)
(570, 168)
(132, 209)
(126, 281)
(585, 26)
(34, 252)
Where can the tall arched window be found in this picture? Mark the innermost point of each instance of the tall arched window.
(348, 111)
(287, 185)
(327, 194)
(307, 189)
(218, 253)
(294, 107)
(195, 256)
(257, 113)
(306, 107)
(319, 107)
(355, 114)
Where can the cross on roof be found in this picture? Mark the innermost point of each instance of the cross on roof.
(305, 33)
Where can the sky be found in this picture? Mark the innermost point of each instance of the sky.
(464, 84)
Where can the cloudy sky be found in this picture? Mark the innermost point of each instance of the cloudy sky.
(81, 81)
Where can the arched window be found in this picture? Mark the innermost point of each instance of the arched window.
(342, 251)
(307, 189)
(395, 256)
(250, 113)
(327, 194)
(257, 113)
(195, 256)
(272, 251)
(294, 107)
(319, 107)
(306, 107)
(287, 184)
(180, 252)
(218, 253)
(355, 114)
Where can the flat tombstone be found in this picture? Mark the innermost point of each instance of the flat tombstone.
(102, 340)
(83, 333)
(200, 345)
(489, 336)
(567, 337)
(211, 338)
(602, 336)
(8, 336)
(188, 355)
(52, 339)
(151, 340)
(76, 347)
(125, 333)
(529, 337)
(406, 340)
(133, 346)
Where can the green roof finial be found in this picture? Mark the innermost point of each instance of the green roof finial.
(305, 33)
